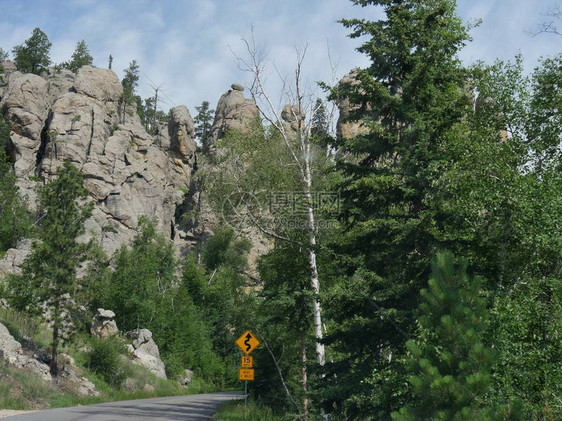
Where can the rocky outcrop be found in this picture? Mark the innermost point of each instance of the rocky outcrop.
(144, 352)
(293, 119)
(80, 118)
(347, 128)
(13, 258)
(181, 131)
(234, 112)
(103, 325)
(12, 353)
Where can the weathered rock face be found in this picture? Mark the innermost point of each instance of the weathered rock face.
(181, 131)
(292, 117)
(234, 112)
(13, 258)
(144, 352)
(103, 325)
(12, 353)
(348, 129)
(80, 118)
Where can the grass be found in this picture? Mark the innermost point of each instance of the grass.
(20, 325)
(20, 389)
(236, 411)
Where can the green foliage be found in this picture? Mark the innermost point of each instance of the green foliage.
(80, 57)
(130, 82)
(203, 124)
(449, 364)
(223, 249)
(144, 274)
(15, 221)
(33, 55)
(3, 54)
(146, 294)
(49, 273)
(105, 359)
(412, 100)
(526, 334)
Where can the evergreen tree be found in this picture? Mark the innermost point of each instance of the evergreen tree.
(3, 54)
(130, 81)
(49, 272)
(320, 123)
(203, 124)
(411, 98)
(33, 55)
(80, 57)
(449, 363)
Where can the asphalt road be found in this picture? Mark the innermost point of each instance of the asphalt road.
(188, 407)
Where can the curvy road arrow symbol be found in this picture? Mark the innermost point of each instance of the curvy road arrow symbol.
(247, 342)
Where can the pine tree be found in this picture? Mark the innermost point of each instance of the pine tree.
(203, 124)
(33, 55)
(80, 57)
(449, 364)
(49, 272)
(130, 82)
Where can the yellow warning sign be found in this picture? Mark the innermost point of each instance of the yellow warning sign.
(246, 374)
(247, 342)
(247, 362)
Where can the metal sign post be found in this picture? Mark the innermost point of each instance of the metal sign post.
(247, 343)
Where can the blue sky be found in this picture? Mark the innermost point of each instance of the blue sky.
(186, 46)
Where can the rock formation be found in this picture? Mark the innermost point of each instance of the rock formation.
(234, 112)
(13, 354)
(346, 128)
(144, 352)
(103, 325)
(80, 118)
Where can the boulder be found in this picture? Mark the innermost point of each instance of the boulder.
(144, 352)
(185, 378)
(103, 325)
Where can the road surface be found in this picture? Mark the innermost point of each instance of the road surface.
(188, 407)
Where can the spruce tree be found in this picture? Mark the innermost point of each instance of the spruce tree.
(33, 55)
(449, 364)
(410, 100)
(48, 281)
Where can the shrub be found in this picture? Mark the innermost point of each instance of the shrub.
(105, 360)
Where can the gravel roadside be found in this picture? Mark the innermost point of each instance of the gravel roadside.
(10, 412)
